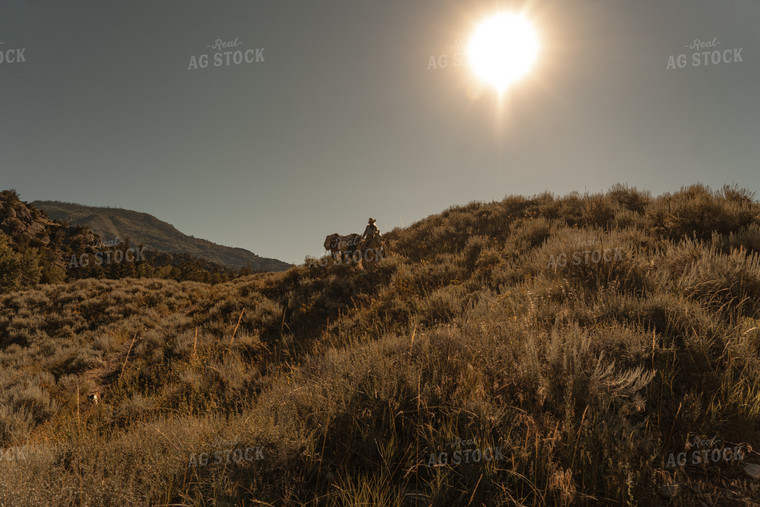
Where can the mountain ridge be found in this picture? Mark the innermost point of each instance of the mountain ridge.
(154, 233)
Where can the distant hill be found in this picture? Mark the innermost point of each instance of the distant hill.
(155, 234)
(35, 249)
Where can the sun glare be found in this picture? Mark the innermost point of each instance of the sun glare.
(502, 49)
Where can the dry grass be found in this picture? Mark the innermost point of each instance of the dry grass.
(587, 377)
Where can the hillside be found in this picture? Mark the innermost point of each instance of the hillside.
(113, 223)
(35, 249)
(574, 345)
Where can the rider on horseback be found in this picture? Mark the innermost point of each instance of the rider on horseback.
(371, 230)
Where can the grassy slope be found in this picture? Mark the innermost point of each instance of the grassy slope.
(113, 223)
(587, 376)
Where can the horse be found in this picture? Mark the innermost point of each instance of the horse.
(372, 249)
(345, 245)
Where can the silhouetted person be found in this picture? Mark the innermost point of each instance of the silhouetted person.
(371, 230)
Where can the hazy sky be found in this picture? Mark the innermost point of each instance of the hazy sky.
(343, 119)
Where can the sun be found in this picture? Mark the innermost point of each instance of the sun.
(502, 49)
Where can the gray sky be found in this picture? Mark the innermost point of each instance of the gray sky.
(344, 120)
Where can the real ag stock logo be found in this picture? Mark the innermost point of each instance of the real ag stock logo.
(465, 451)
(11, 55)
(711, 55)
(231, 454)
(107, 257)
(106, 244)
(226, 55)
(705, 451)
(594, 255)
(453, 55)
(13, 454)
